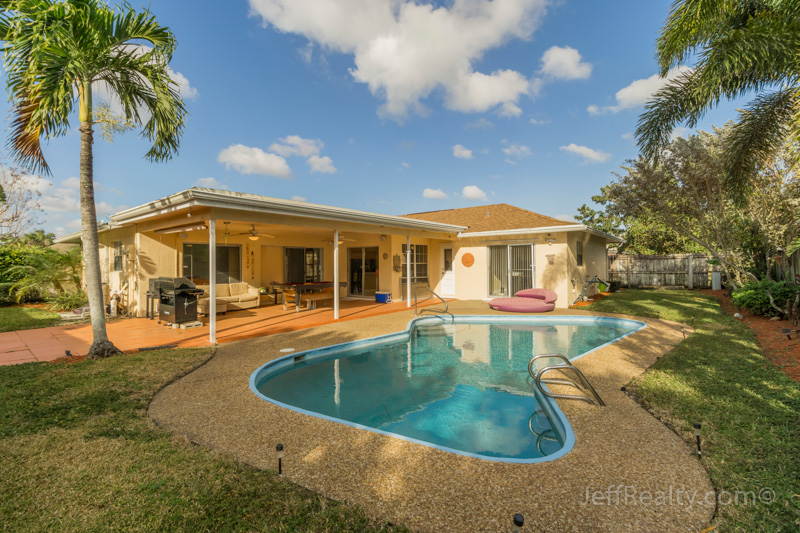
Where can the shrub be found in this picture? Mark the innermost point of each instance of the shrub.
(5, 297)
(614, 286)
(753, 296)
(68, 300)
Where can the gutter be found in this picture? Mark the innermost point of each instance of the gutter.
(196, 197)
(547, 229)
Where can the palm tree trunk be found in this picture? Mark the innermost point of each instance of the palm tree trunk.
(101, 346)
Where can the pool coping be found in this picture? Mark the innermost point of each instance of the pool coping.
(429, 489)
(554, 412)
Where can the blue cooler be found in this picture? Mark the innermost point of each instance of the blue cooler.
(383, 297)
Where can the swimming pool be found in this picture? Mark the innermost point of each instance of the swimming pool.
(461, 386)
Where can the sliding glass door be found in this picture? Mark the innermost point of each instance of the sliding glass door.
(510, 269)
(362, 265)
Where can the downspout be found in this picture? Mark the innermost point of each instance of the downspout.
(212, 281)
(408, 271)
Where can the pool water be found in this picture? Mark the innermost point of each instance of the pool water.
(462, 387)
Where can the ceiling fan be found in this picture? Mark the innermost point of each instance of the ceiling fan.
(253, 234)
(341, 240)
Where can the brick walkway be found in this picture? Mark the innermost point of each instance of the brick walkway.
(133, 334)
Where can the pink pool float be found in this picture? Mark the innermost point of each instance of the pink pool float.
(527, 301)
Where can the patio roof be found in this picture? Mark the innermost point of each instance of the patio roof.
(253, 203)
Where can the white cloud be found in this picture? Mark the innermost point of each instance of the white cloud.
(249, 160)
(680, 132)
(461, 152)
(480, 124)
(321, 164)
(589, 155)
(296, 145)
(565, 218)
(536, 122)
(472, 192)
(405, 165)
(510, 110)
(638, 92)
(405, 50)
(297, 198)
(435, 194)
(210, 183)
(564, 64)
(518, 151)
(627, 136)
(307, 52)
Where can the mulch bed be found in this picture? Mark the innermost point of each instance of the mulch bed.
(782, 352)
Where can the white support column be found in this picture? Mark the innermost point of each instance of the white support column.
(336, 274)
(212, 281)
(408, 271)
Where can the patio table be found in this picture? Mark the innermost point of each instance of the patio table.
(314, 286)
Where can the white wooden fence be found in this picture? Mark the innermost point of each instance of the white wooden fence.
(680, 270)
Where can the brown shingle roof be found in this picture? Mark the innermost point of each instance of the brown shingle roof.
(490, 218)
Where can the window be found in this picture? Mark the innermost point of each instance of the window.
(579, 253)
(195, 263)
(303, 265)
(419, 263)
(117, 257)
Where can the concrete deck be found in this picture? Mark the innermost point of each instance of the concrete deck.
(621, 457)
(132, 334)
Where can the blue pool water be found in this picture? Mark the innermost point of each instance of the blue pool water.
(461, 386)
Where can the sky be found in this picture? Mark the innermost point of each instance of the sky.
(389, 106)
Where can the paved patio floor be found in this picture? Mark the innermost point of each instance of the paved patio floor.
(132, 334)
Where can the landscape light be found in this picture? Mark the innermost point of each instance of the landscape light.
(519, 521)
(697, 434)
(279, 452)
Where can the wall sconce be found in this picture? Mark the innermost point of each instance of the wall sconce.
(189, 214)
(383, 238)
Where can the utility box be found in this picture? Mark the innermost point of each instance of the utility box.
(716, 281)
(383, 297)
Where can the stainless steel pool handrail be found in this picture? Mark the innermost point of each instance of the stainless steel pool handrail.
(538, 378)
(434, 311)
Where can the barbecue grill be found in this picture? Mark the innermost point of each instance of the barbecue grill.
(177, 299)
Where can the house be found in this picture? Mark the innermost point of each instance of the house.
(470, 253)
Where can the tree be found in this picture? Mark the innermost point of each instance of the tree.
(742, 46)
(19, 205)
(36, 239)
(56, 52)
(685, 193)
(643, 234)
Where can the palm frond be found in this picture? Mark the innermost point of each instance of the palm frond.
(761, 131)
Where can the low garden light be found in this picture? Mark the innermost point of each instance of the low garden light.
(519, 521)
(697, 428)
(279, 453)
(788, 333)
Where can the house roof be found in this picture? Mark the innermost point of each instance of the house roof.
(494, 217)
(504, 220)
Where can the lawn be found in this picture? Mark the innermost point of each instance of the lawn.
(15, 318)
(78, 453)
(749, 411)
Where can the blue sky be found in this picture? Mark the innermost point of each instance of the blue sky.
(389, 106)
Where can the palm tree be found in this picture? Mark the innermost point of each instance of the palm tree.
(38, 239)
(741, 46)
(56, 52)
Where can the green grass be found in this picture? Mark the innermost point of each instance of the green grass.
(78, 453)
(749, 411)
(16, 318)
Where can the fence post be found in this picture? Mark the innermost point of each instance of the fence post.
(690, 258)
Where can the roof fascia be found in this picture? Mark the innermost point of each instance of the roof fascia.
(546, 229)
(205, 198)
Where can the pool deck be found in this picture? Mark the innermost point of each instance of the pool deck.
(627, 471)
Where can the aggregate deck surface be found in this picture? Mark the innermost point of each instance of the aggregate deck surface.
(627, 471)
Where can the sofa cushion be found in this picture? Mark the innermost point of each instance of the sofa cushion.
(230, 299)
(247, 297)
(541, 294)
(203, 288)
(223, 290)
(238, 289)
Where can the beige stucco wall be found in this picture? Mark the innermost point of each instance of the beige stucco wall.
(595, 263)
